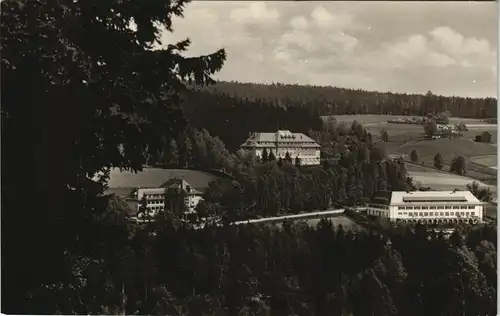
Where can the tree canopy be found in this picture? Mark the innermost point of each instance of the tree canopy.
(84, 89)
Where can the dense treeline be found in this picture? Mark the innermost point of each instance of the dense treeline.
(232, 119)
(332, 100)
(166, 269)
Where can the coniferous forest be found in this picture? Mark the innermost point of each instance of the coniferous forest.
(83, 92)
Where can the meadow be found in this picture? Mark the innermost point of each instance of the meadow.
(403, 138)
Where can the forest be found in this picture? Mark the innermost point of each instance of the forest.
(231, 111)
(340, 101)
(84, 92)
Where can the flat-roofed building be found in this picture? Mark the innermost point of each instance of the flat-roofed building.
(283, 141)
(430, 207)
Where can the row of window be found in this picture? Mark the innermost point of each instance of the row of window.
(424, 214)
(156, 202)
(153, 196)
(455, 207)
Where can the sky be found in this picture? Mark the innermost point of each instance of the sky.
(449, 48)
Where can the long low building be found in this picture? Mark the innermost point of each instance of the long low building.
(430, 207)
(282, 142)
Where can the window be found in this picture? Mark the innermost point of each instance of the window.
(426, 214)
(440, 207)
(424, 207)
(432, 208)
(399, 213)
(404, 213)
(410, 213)
(446, 213)
(462, 214)
(420, 213)
(447, 207)
(452, 213)
(441, 213)
(463, 207)
(409, 208)
(473, 213)
(417, 208)
(431, 213)
(471, 207)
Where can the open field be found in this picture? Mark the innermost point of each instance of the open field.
(155, 177)
(374, 119)
(489, 161)
(448, 148)
(441, 181)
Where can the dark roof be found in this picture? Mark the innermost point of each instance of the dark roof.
(434, 199)
(382, 197)
(120, 192)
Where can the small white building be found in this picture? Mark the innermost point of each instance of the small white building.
(283, 141)
(155, 197)
(429, 207)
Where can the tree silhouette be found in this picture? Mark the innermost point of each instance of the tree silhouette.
(384, 135)
(438, 161)
(272, 157)
(78, 71)
(264, 157)
(297, 161)
(414, 156)
(430, 128)
(458, 166)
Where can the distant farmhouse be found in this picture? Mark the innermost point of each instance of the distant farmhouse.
(429, 207)
(446, 130)
(283, 142)
(151, 184)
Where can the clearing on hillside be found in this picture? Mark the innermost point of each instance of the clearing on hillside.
(441, 181)
(448, 148)
(155, 177)
(488, 161)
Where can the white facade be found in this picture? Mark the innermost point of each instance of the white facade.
(431, 207)
(283, 141)
(155, 197)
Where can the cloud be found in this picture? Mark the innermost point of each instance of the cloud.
(326, 19)
(355, 45)
(299, 23)
(255, 12)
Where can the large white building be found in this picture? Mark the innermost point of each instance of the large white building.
(429, 207)
(155, 197)
(283, 141)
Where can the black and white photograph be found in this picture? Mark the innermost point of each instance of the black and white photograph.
(249, 158)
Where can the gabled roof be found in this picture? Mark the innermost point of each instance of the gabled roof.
(283, 136)
(181, 184)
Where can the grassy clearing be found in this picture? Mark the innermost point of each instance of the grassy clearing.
(441, 181)
(154, 177)
(489, 161)
(448, 148)
(374, 118)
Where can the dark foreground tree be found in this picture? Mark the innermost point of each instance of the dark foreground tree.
(83, 90)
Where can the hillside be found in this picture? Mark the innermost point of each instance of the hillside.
(332, 100)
